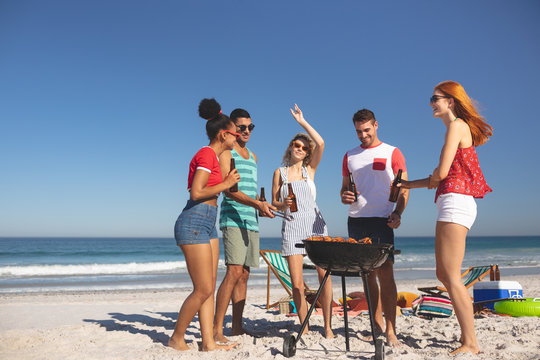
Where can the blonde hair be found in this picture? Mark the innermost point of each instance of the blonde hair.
(465, 109)
(300, 136)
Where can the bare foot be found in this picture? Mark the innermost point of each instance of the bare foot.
(465, 349)
(329, 334)
(368, 338)
(217, 346)
(393, 341)
(182, 346)
(220, 338)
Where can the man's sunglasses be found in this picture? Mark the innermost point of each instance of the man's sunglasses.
(435, 98)
(298, 146)
(243, 128)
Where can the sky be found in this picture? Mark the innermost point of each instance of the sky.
(98, 102)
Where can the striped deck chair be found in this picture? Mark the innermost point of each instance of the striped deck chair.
(470, 277)
(278, 265)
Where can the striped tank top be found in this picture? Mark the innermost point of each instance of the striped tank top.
(307, 221)
(234, 214)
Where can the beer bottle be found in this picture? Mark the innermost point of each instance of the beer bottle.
(294, 205)
(262, 198)
(233, 188)
(394, 191)
(352, 187)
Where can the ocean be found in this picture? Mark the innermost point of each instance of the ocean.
(90, 264)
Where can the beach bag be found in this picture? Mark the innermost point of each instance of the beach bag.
(430, 306)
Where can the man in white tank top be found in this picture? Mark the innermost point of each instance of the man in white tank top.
(373, 166)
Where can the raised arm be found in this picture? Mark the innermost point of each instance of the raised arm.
(317, 139)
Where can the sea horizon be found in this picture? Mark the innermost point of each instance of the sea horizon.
(41, 264)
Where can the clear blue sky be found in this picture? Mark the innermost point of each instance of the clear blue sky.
(98, 102)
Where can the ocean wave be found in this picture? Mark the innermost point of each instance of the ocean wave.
(92, 269)
(99, 269)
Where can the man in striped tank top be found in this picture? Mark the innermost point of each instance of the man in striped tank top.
(240, 228)
(373, 166)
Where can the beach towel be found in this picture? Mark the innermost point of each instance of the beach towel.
(430, 306)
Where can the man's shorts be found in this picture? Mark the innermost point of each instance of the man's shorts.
(375, 227)
(241, 246)
(456, 208)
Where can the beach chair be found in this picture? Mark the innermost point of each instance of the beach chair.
(470, 277)
(278, 265)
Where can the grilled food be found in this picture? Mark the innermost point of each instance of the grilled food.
(366, 240)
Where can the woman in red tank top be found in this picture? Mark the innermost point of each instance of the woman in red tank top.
(458, 179)
(195, 231)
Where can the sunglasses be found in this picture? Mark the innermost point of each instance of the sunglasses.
(235, 134)
(243, 128)
(435, 98)
(298, 146)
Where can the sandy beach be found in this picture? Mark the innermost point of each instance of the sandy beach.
(137, 325)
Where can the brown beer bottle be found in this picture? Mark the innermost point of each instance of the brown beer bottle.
(262, 198)
(352, 187)
(233, 188)
(394, 191)
(294, 205)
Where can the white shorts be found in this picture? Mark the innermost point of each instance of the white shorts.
(456, 208)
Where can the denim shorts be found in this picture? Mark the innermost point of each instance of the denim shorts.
(375, 227)
(196, 224)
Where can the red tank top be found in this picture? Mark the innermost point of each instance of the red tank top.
(464, 176)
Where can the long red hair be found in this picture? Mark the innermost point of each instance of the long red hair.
(465, 109)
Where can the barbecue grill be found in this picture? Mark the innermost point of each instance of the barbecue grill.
(342, 259)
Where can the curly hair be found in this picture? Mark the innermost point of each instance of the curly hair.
(210, 110)
(300, 136)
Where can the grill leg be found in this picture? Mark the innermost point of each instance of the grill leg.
(371, 319)
(345, 317)
(306, 320)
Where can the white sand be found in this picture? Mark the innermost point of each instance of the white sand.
(137, 325)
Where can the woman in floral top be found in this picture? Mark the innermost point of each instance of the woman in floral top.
(458, 180)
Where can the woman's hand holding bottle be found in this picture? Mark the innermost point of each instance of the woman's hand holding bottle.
(233, 177)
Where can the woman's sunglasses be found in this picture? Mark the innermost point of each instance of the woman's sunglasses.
(435, 98)
(235, 134)
(243, 128)
(298, 146)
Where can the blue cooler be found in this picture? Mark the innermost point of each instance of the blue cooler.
(492, 290)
